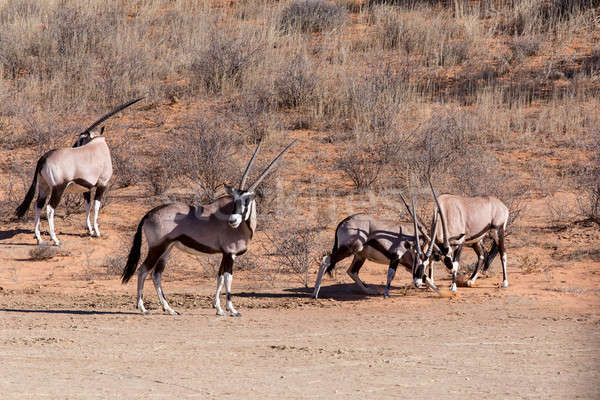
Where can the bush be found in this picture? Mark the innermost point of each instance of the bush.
(364, 159)
(588, 183)
(221, 64)
(296, 82)
(203, 154)
(311, 16)
(298, 250)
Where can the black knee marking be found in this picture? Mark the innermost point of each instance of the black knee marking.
(56, 195)
(228, 296)
(100, 190)
(40, 202)
(226, 264)
(88, 197)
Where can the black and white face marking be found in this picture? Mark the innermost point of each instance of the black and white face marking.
(242, 205)
(86, 137)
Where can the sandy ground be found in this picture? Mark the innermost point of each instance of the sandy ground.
(69, 329)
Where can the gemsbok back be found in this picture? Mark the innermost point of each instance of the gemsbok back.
(465, 221)
(224, 226)
(87, 164)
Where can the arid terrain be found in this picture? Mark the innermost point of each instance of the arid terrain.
(490, 97)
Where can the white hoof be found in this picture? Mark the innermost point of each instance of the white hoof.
(220, 313)
(470, 283)
(453, 288)
(504, 284)
(235, 314)
(56, 243)
(172, 312)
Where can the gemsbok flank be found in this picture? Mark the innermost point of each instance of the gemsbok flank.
(465, 222)
(368, 238)
(87, 165)
(224, 226)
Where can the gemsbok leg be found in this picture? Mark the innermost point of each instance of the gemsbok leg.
(480, 258)
(152, 259)
(156, 278)
(43, 190)
(354, 269)
(225, 277)
(499, 238)
(57, 192)
(100, 190)
(88, 204)
(328, 264)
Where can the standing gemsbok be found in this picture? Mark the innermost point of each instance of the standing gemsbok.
(224, 226)
(368, 238)
(466, 221)
(87, 164)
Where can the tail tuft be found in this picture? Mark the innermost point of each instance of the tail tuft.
(134, 254)
(24, 206)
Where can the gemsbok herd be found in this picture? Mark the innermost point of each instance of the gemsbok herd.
(227, 225)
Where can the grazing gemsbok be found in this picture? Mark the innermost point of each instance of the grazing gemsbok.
(87, 164)
(368, 238)
(466, 221)
(224, 226)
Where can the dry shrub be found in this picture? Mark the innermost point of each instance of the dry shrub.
(125, 171)
(523, 46)
(369, 101)
(298, 250)
(252, 113)
(437, 41)
(203, 154)
(533, 16)
(364, 159)
(588, 183)
(221, 64)
(296, 83)
(440, 142)
(46, 252)
(311, 16)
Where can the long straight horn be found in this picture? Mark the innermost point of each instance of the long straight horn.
(245, 176)
(433, 230)
(113, 112)
(444, 228)
(421, 228)
(270, 167)
(419, 250)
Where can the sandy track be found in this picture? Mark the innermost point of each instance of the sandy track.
(505, 347)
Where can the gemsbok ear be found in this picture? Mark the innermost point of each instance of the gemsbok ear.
(228, 189)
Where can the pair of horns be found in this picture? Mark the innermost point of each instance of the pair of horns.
(446, 238)
(418, 227)
(266, 171)
(110, 114)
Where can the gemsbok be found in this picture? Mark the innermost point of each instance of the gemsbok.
(86, 165)
(465, 221)
(368, 238)
(224, 226)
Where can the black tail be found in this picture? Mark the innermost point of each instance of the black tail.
(134, 254)
(22, 209)
(490, 256)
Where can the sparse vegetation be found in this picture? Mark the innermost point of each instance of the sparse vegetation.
(493, 98)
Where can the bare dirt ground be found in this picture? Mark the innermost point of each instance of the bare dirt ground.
(69, 329)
